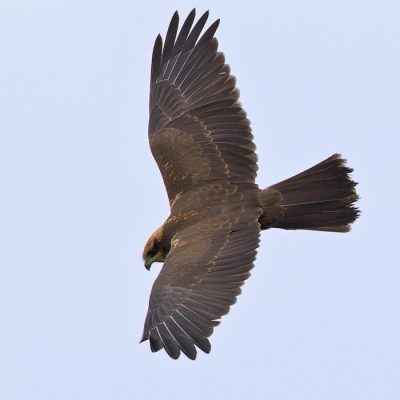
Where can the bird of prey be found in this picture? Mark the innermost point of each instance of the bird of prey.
(202, 142)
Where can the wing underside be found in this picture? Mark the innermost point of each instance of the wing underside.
(202, 142)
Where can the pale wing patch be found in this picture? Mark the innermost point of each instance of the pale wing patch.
(184, 215)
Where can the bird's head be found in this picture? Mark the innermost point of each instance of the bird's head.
(154, 250)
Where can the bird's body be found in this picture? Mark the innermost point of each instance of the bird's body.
(202, 142)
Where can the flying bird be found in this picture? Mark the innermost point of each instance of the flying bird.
(202, 142)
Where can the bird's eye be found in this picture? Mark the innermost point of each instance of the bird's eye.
(152, 252)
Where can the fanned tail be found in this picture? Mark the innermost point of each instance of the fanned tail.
(321, 198)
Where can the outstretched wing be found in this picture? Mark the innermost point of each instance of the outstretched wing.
(200, 280)
(202, 142)
(198, 131)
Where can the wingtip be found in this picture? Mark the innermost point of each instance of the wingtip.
(175, 17)
(204, 17)
(144, 338)
(216, 23)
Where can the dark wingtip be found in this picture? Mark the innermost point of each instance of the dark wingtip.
(174, 19)
(214, 26)
(144, 338)
(156, 58)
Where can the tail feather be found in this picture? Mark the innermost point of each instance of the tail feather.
(321, 198)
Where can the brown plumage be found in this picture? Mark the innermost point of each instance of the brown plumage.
(201, 140)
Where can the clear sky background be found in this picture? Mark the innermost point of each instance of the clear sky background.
(80, 194)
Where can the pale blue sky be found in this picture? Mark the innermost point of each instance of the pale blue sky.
(80, 193)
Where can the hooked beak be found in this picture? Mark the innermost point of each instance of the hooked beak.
(147, 263)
